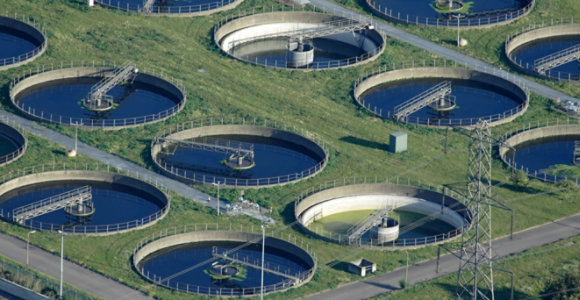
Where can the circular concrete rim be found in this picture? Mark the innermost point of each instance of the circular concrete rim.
(360, 87)
(145, 249)
(303, 204)
(524, 11)
(233, 4)
(82, 175)
(31, 31)
(514, 42)
(17, 86)
(22, 142)
(268, 132)
(518, 138)
(234, 24)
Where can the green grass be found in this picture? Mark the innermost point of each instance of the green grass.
(533, 272)
(319, 102)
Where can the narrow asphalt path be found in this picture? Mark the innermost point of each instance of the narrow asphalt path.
(442, 51)
(73, 274)
(524, 240)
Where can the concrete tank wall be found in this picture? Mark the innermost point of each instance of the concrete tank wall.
(453, 73)
(378, 202)
(34, 34)
(84, 72)
(81, 175)
(235, 236)
(267, 132)
(16, 137)
(253, 27)
(184, 12)
(269, 19)
(537, 133)
(375, 197)
(530, 36)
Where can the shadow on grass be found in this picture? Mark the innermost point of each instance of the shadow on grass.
(365, 143)
(338, 265)
(449, 42)
(499, 293)
(58, 152)
(516, 188)
(146, 153)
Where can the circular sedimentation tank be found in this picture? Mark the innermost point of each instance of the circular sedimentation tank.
(12, 144)
(224, 263)
(441, 97)
(550, 52)
(237, 155)
(452, 13)
(352, 215)
(298, 40)
(82, 202)
(60, 96)
(181, 8)
(21, 42)
(547, 153)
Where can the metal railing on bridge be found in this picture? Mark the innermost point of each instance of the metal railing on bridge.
(358, 230)
(421, 100)
(556, 59)
(52, 203)
(254, 263)
(244, 150)
(319, 30)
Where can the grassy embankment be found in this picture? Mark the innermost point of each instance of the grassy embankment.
(319, 102)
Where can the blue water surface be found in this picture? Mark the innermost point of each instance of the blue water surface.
(473, 100)
(113, 203)
(13, 44)
(526, 54)
(272, 158)
(63, 98)
(191, 260)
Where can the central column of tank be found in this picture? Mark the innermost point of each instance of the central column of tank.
(299, 53)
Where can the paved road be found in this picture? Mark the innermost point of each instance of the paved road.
(73, 274)
(502, 247)
(115, 161)
(442, 51)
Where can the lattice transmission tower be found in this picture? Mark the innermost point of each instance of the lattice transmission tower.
(475, 276)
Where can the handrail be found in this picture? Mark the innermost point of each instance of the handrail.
(235, 182)
(400, 242)
(535, 174)
(470, 22)
(167, 10)
(92, 123)
(529, 68)
(86, 229)
(198, 289)
(6, 61)
(455, 122)
(341, 63)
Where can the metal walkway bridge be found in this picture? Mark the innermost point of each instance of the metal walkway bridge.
(435, 93)
(322, 29)
(227, 149)
(255, 263)
(53, 203)
(556, 59)
(357, 230)
(97, 98)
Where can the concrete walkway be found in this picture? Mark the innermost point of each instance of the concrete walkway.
(121, 164)
(449, 264)
(442, 51)
(73, 274)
